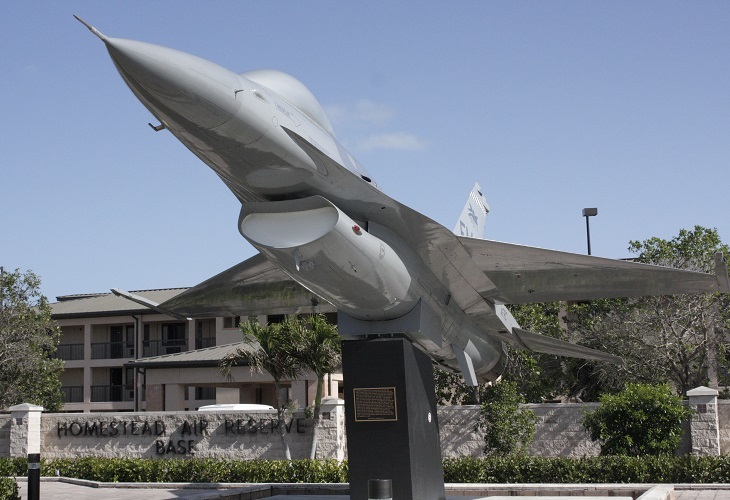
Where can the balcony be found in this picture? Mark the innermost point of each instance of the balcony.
(70, 352)
(112, 350)
(73, 394)
(202, 343)
(160, 347)
(118, 350)
(106, 393)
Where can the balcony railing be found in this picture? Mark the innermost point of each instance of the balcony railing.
(70, 352)
(112, 350)
(116, 350)
(106, 393)
(160, 347)
(202, 343)
(73, 393)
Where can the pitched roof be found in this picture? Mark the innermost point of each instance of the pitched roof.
(108, 304)
(209, 356)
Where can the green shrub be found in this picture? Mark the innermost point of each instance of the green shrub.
(197, 470)
(508, 428)
(492, 469)
(13, 466)
(8, 489)
(603, 469)
(640, 420)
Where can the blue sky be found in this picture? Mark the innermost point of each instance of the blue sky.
(550, 106)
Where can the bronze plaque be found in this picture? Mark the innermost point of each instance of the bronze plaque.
(375, 404)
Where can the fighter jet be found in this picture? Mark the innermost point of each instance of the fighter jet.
(319, 220)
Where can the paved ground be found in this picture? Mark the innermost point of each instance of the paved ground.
(702, 494)
(66, 491)
(54, 489)
(58, 490)
(680, 495)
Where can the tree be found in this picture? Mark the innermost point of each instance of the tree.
(640, 420)
(321, 352)
(274, 349)
(677, 339)
(508, 428)
(28, 340)
(452, 390)
(538, 377)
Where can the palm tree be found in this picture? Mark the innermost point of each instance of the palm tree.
(273, 348)
(321, 352)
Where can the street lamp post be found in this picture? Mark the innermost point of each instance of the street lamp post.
(587, 213)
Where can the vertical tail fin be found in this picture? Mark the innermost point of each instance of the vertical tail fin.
(471, 221)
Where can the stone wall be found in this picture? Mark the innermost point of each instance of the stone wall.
(456, 430)
(704, 423)
(558, 432)
(251, 435)
(245, 435)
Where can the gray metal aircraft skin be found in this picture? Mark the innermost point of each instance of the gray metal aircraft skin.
(319, 219)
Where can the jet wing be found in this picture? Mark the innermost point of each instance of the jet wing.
(527, 274)
(250, 287)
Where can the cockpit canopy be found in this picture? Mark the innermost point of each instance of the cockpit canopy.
(293, 91)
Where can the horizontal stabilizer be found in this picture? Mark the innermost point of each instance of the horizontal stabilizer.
(525, 275)
(550, 345)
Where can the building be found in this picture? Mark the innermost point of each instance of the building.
(123, 356)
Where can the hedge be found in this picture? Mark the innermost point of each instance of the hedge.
(204, 470)
(605, 469)
(8, 489)
(519, 469)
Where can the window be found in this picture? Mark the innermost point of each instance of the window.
(173, 337)
(129, 347)
(202, 341)
(231, 322)
(115, 384)
(204, 393)
(116, 342)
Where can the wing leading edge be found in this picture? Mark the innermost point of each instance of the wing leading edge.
(527, 275)
(253, 286)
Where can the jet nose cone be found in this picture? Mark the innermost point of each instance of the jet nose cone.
(91, 28)
(173, 84)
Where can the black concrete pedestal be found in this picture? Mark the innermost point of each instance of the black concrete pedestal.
(390, 411)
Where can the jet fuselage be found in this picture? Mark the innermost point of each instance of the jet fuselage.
(318, 218)
(268, 139)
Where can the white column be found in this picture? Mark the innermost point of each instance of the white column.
(704, 427)
(87, 367)
(334, 387)
(25, 430)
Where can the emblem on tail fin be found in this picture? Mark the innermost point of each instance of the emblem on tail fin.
(471, 221)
